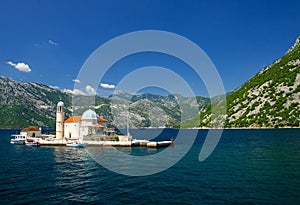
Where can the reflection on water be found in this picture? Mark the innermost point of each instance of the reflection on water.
(74, 170)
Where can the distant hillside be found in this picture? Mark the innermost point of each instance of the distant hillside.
(269, 99)
(148, 110)
(24, 104)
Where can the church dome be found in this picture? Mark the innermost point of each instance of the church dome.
(60, 103)
(89, 114)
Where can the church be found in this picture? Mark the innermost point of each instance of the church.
(88, 127)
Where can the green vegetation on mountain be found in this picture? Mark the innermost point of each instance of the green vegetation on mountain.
(25, 104)
(148, 110)
(269, 99)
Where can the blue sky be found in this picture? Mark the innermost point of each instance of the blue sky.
(54, 38)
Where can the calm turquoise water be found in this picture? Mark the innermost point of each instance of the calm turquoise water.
(247, 167)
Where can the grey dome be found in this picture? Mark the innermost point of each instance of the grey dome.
(89, 114)
(60, 103)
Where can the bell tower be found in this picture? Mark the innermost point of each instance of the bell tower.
(60, 116)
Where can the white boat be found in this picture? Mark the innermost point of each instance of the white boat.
(18, 139)
(32, 142)
(160, 144)
(75, 144)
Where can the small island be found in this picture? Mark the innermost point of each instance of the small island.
(89, 129)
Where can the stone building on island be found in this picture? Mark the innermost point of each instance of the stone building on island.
(31, 131)
(88, 127)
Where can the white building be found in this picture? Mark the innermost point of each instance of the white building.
(31, 131)
(86, 126)
(89, 125)
(60, 116)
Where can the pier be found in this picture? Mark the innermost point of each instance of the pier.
(133, 143)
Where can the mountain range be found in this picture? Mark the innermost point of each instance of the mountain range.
(23, 104)
(269, 99)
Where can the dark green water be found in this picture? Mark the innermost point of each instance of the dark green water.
(247, 167)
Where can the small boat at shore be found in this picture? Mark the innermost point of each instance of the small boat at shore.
(18, 139)
(159, 144)
(76, 144)
(32, 144)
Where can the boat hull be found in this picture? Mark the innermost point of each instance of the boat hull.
(75, 145)
(34, 144)
(159, 144)
(13, 141)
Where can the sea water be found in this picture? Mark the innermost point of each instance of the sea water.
(248, 166)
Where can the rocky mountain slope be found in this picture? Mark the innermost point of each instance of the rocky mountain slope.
(148, 110)
(269, 99)
(24, 104)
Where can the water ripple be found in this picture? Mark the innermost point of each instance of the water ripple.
(247, 167)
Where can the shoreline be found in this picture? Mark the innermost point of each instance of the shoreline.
(192, 128)
(243, 128)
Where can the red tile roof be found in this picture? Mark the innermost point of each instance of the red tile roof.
(98, 126)
(31, 128)
(73, 119)
(101, 119)
(78, 119)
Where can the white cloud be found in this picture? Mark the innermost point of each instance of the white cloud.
(73, 92)
(90, 90)
(67, 91)
(20, 66)
(76, 81)
(54, 87)
(52, 42)
(109, 86)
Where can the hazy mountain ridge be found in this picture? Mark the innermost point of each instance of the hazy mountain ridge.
(148, 110)
(24, 104)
